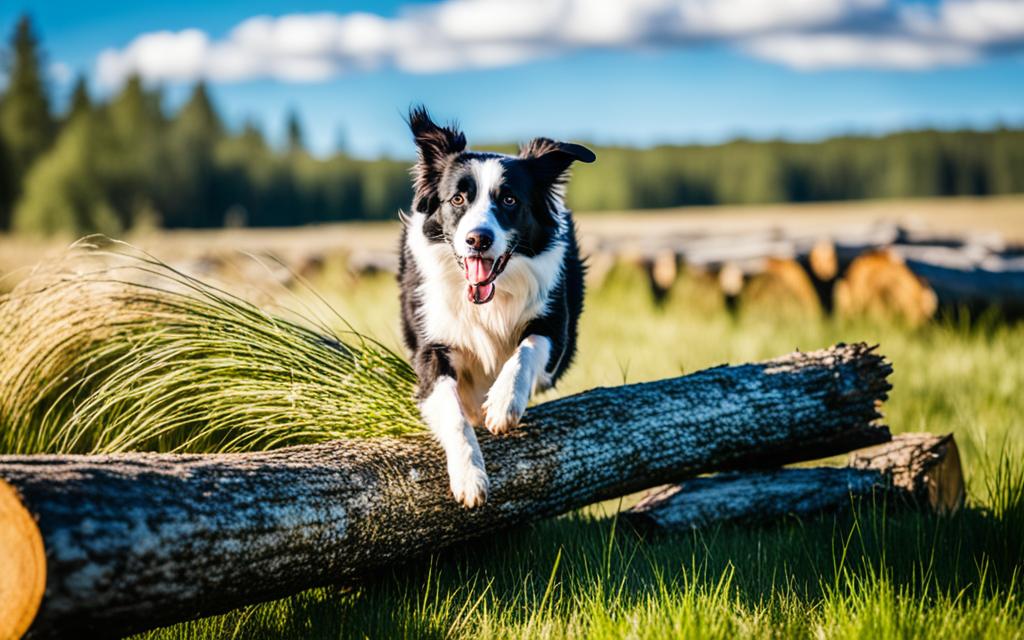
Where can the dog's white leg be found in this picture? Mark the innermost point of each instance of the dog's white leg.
(443, 415)
(511, 391)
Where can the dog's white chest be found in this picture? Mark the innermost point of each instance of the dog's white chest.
(489, 332)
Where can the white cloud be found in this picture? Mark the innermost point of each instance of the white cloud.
(459, 34)
(986, 22)
(490, 20)
(813, 52)
(720, 18)
(163, 55)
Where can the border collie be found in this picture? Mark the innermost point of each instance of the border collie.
(491, 287)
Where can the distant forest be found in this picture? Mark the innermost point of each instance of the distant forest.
(124, 163)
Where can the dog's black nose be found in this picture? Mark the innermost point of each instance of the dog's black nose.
(480, 239)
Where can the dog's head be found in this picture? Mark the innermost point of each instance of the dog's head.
(489, 207)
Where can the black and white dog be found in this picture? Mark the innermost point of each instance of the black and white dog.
(491, 287)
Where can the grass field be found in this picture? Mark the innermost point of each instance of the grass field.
(869, 574)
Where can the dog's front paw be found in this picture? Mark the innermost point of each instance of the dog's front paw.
(503, 408)
(500, 421)
(469, 484)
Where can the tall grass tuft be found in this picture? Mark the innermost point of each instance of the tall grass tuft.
(112, 350)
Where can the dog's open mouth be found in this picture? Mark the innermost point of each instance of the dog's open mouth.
(481, 273)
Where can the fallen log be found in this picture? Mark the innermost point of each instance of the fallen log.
(989, 282)
(916, 470)
(136, 541)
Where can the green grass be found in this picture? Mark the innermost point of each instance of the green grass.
(873, 573)
(869, 576)
(111, 350)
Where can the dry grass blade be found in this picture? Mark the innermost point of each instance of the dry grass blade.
(112, 350)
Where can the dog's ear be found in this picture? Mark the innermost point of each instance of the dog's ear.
(435, 145)
(549, 159)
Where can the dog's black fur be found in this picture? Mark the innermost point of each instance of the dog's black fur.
(520, 209)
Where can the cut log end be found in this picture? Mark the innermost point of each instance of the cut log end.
(924, 466)
(23, 562)
(823, 261)
(879, 283)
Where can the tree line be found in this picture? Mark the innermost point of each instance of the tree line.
(126, 162)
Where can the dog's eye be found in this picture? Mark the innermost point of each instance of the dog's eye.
(509, 200)
(458, 200)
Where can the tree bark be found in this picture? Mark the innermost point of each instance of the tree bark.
(918, 470)
(136, 541)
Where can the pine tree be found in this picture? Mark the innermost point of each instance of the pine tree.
(134, 160)
(67, 190)
(135, 112)
(341, 142)
(194, 134)
(252, 137)
(8, 188)
(296, 144)
(80, 103)
(198, 116)
(26, 123)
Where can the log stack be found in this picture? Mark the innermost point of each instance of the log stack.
(117, 544)
(877, 270)
(872, 269)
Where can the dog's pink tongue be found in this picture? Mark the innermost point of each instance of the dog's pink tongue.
(477, 269)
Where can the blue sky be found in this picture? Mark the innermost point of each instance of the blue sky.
(737, 69)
